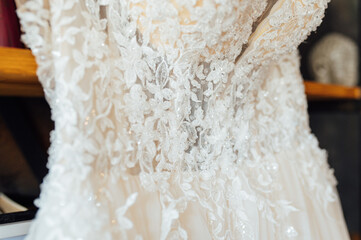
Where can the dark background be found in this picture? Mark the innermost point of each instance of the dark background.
(337, 123)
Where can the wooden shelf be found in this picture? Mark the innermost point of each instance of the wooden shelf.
(18, 78)
(320, 91)
(18, 73)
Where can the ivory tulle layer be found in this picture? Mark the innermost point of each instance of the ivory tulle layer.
(142, 212)
(310, 221)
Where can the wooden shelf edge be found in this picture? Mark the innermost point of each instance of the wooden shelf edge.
(320, 91)
(18, 73)
(21, 90)
(18, 70)
(17, 66)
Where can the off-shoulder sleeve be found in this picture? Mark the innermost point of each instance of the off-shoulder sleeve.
(67, 39)
(34, 19)
(287, 24)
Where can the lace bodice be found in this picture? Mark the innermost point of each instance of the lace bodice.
(193, 98)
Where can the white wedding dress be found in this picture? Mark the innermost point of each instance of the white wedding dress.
(179, 119)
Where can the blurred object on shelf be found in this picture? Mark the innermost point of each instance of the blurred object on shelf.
(9, 25)
(9, 206)
(334, 60)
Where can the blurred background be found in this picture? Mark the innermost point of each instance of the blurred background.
(329, 59)
(336, 122)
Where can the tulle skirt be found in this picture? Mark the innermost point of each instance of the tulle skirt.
(139, 207)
